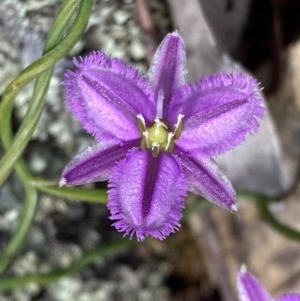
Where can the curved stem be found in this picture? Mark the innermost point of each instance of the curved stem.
(24, 225)
(30, 73)
(29, 123)
(72, 193)
(60, 24)
(269, 217)
(44, 64)
(75, 267)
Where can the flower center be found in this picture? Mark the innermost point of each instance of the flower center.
(158, 137)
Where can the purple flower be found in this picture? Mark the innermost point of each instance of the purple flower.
(156, 135)
(250, 289)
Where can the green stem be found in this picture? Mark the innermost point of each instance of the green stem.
(75, 267)
(60, 24)
(29, 123)
(71, 193)
(24, 225)
(44, 64)
(27, 75)
(267, 215)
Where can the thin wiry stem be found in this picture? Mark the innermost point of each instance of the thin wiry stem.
(15, 145)
(265, 212)
(75, 267)
(53, 51)
(71, 193)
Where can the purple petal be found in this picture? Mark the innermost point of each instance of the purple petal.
(146, 195)
(94, 163)
(219, 111)
(289, 297)
(106, 95)
(207, 180)
(168, 68)
(250, 289)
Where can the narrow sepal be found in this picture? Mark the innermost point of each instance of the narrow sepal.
(168, 68)
(106, 95)
(205, 179)
(94, 163)
(219, 111)
(146, 195)
(250, 289)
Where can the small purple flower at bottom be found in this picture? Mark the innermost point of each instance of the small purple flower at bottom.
(250, 289)
(156, 135)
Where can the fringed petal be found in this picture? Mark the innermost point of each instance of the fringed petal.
(94, 163)
(218, 112)
(250, 289)
(168, 68)
(146, 195)
(205, 179)
(106, 95)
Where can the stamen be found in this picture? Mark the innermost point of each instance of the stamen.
(170, 142)
(146, 138)
(178, 127)
(143, 143)
(141, 123)
(155, 150)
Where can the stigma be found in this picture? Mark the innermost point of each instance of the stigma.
(159, 137)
